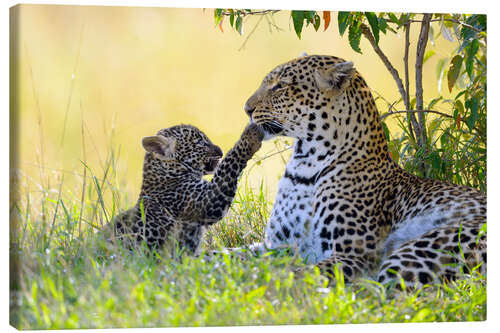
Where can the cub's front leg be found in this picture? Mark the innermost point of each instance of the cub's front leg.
(212, 199)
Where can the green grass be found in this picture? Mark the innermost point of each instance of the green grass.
(63, 276)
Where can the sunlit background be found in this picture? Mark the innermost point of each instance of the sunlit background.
(91, 79)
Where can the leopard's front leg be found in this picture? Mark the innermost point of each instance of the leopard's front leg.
(345, 231)
(352, 266)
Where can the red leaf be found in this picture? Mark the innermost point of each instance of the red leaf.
(326, 18)
(220, 24)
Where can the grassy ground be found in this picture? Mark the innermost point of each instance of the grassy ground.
(63, 277)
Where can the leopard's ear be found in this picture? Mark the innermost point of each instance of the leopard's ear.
(160, 145)
(336, 78)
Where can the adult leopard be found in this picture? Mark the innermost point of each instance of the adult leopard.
(342, 200)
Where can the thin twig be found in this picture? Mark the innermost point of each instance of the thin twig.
(390, 105)
(441, 20)
(251, 33)
(243, 13)
(366, 32)
(271, 23)
(385, 115)
(454, 21)
(258, 161)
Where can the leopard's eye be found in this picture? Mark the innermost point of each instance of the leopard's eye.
(277, 86)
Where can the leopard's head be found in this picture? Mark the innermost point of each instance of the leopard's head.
(185, 144)
(298, 97)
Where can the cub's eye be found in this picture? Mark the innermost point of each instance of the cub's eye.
(202, 143)
(277, 86)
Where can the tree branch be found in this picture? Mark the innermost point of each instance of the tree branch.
(368, 35)
(422, 44)
(405, 59)
(455, 21)
(385, 115)
(419, 91)
(413, 126)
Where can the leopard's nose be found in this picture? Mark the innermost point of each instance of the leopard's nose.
(249, 109)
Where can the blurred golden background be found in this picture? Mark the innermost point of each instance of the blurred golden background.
(90, 78)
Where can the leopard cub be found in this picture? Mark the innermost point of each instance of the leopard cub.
(175, 203)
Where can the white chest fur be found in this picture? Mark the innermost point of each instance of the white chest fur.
(291, 222)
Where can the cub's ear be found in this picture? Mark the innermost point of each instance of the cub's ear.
(158, 144)
(334, 79)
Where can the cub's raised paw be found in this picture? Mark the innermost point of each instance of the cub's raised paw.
(254, 131)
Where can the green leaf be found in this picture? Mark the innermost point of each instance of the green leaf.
(434, 101)
(343, 19)
(445, 139)
(231, 19)
(218, 16)
(238, 25)
(427, 55)
(448, 24)
(309, 15)
(470, 54)
(298, 21)
(403, 18)
(431, 35)
(413, 101)
(446, 33)
(481, 21)
(394, 18)
(454, 70)
(459, 107)
(382, 24)
(373, 21)
(256, 293)
(317, 22)
(34, 289)
(355, 37)
(440, 69)
(422, 314)
(386, 131)
(467, 33)
(472, 105)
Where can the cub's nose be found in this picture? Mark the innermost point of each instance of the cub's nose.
(217, 151)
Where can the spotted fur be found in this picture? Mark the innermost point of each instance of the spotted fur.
(175, 202)
(342, 200)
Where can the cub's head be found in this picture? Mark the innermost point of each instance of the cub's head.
(185, 144)
(296, 98)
